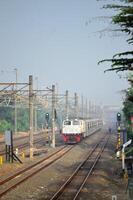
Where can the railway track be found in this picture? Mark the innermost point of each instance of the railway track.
(21, 146)
(24, 144)
(17, 178)
(74, 184)
(21, 138)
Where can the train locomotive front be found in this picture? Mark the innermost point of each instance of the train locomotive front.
(73, 131)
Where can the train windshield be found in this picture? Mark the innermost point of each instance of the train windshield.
(67, 122)
(75, 122)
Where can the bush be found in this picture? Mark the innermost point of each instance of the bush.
(4, 125)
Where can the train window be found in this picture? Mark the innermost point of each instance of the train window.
(67, 122)
(75, 122)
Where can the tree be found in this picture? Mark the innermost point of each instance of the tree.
(4, 125)
(130, 91)
(128, 108)
(122, 61)
(123, 21)
(23, 119)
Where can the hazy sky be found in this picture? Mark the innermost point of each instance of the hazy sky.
(58, 42)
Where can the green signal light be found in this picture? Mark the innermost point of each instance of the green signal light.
(118, 116)
(47, 116)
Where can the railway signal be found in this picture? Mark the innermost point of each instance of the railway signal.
(119, 136)
(47, 117)
(118, 145)
(118, 117)
(47, 126)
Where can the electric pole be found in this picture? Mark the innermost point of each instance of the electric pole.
(15, 103)
(31, 114)
(53, 116)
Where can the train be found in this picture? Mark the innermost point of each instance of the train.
(74, 130)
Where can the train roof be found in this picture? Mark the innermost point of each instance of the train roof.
(88, 120)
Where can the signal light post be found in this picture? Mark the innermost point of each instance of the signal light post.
(118, 118)
(118, 134)
(47, 126)
(53, 116)
(31, 114)
(47, 117)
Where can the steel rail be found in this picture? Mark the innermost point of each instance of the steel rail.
(92, 168)
(21, 146)
(31, 167)
(68, 181)
(20, 137)
(60, 191)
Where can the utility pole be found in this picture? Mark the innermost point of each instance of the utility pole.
(53, 116)
(66, 107)
(31, 114)
(15, 103)
(76, 105)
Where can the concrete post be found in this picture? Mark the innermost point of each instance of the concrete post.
(53, 116)
(15, 104)
(31, 114)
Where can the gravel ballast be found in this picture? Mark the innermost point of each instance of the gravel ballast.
(104, 182)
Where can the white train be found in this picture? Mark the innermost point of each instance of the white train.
(74, 131)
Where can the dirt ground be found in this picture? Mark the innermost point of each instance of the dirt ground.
(103, 184)
(106, 182)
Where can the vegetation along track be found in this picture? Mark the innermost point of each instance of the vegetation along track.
(74, 184)
(14, 180)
